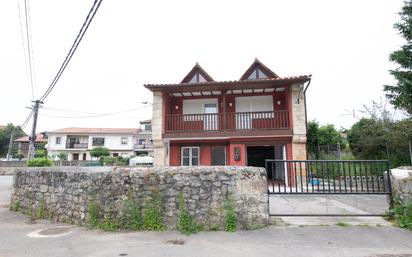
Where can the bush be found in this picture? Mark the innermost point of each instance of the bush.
(231, 217)
(93, 214)
(153, 213)
(39, 162)
(187, 224)
(40, 153)
(99, 152)
(402, 214)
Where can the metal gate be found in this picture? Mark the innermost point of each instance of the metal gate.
(336, 180)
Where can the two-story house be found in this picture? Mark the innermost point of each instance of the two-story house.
(200, 121)
(77, 142)
(143, 144)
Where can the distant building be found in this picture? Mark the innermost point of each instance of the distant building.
(77, 142)
(21, 145)
(143, 143)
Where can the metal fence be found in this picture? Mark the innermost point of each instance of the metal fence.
(328, 177)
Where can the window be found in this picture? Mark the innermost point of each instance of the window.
(123, 140)
(142, 141)
(98, 141)
(197, 77)
(257, 74)
(58, 140)
(115, 154)
(148, 127)
(190, 156)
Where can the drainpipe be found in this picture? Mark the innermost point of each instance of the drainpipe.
(306, 117)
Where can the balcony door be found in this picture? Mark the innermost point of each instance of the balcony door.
(210, 118)
(249, 108)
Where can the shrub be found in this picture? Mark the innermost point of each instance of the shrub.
(15, 206)
(231, 218)
(99, 152)
(39, 162)
(133, 215)
(153, 213)
(402, 214)
(93, 214)
(40, 153)
(187, 224)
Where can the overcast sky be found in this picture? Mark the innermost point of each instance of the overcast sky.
(343, 44)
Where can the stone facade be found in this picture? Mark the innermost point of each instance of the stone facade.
(159, 145)
(298, 122)
(401, 181)
(66, 192)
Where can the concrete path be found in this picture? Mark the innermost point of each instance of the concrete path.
(20, 237)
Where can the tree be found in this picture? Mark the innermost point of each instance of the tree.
(377, 138)
(321, 135)
(401, 94)
(99, 152)
(62, 156)
(5, 137)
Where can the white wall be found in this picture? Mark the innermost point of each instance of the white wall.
(51, 142)
(113, 142)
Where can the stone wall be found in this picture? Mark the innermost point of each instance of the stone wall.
(66, 192)
(401, 180)
(7, 170)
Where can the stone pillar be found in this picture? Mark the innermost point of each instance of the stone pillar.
(298, 122)
(157, 130)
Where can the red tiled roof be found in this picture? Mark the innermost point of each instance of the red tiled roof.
(278, 80)
(39, 138)
(96, 130)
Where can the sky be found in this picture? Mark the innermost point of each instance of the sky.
(344, 45)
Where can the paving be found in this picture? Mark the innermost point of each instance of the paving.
(21, 237)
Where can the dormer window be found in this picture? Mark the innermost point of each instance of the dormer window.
(197, 77)
(257, 74)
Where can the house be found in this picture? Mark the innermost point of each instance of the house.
(21, 145)
(143, 142)
(200, 121)
(77, 142)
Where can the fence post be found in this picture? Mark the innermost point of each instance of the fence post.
(389, 185)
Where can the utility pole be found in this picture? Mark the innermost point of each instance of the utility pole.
(33, 130)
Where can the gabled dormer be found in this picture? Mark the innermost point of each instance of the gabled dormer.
(197, 75)
(258, 71)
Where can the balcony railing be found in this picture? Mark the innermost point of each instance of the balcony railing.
(143, 146)
(77, 146)
(227, 121)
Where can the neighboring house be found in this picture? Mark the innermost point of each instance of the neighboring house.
(243, 122)
(21, 145)
(143, 143)
(77, 142)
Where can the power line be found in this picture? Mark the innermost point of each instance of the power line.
(27, 120)
(27, 53)
(73, 49)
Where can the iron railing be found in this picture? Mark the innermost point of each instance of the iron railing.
(227, 121)
(328, 177)
(77, 145)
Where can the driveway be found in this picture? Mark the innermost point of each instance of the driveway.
(20, 237)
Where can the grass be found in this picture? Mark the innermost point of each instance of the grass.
(342, 224)
(230, 217)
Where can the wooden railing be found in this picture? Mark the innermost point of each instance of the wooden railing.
(227, 121)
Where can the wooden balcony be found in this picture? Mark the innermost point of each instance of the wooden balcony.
(212, 123)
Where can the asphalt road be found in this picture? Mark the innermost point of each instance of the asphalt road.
(20, 237)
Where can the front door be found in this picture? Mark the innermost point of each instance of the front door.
(84, 156)
(75, 157)
(218, 155)
(210, 117)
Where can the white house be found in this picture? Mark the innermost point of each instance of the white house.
(76, 143)
(143, 144)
